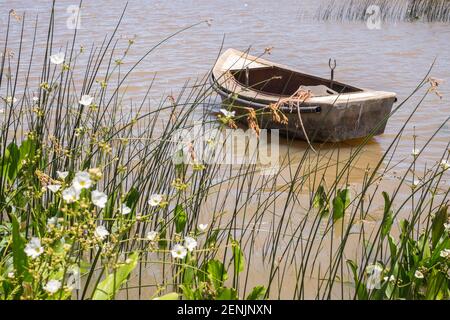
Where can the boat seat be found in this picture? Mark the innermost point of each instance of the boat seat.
(319, 90)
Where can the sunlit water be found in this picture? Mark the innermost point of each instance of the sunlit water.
(393, 58)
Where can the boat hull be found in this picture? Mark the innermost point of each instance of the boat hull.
(322, 122)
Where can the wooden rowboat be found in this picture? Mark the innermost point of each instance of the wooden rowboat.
(332, 112)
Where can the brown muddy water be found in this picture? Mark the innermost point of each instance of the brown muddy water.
(393, 58)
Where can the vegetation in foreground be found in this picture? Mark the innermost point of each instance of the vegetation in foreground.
(93, 207)
(386, 10)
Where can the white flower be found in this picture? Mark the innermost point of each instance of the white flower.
(445, 164)
(35, 99)
(374, 268)
(10, 100)
(53, 187)
(190, 243)
(11, 275)
(73, 280)
(71, 194)
(82, 180)
(51, 222)
(390, 279)
(151, 235)
(99, 198)
(202, 227)
(415, 182)
(374, 272)
(155, 200)
(86, 100)
(101, 232)
(415, 152)
(33, 248)
(178, 251)
(447, 227)
(125, 209)
(62, 174)
(445, 253)
(227, 114)
(52, 286)
(418, 274)
(57, 58)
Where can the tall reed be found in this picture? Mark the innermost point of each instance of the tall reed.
(398, 10)
(301, 232)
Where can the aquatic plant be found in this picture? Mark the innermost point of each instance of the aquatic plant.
(398, 10)
(93, 205)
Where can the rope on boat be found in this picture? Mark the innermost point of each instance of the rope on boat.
(296, 99)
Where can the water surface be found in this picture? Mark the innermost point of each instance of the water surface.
(393, 58)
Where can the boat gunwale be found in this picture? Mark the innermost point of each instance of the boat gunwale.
(261, 97)
(261, 105)
(306, 75)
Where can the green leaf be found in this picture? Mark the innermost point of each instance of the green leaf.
(162, 243)
(320, 198)
(354, 269)
(132, 198)
(108, 288)
(169, 296)
(437, 227)
(18, 245)
(404, 226)
(362, 292)
(188, 293)
(11, 161)
(238, 257)
(392, 248)
(387, 217)
(424, 245)
(227, 294)
(212, 239)
(338, 208)
(387, 225)
(109, 208)
(436, 286)
(390, 289)
(441, 245)
(27, 149)
(320, 201)
(345, 196)
(180, 218)
(340, 203)
(257, 293)
(216, 273)
(189, 273)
